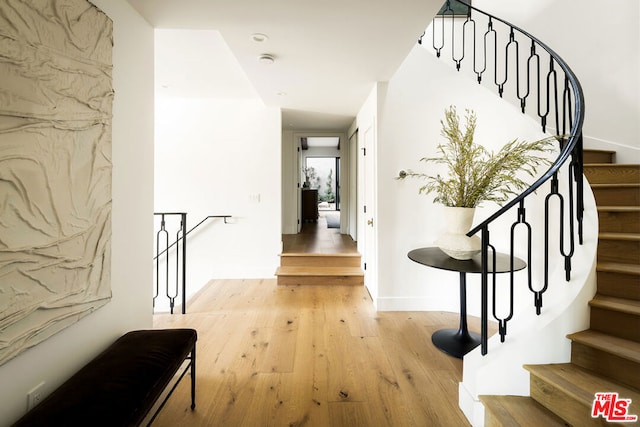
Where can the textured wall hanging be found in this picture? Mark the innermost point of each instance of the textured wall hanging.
(56, 97)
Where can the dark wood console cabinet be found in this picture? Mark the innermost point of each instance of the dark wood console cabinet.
(309, 205)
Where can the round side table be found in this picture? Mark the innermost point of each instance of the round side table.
(458, 342)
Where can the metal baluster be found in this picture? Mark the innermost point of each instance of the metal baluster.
(183, 223)
(553, 193)
(439, 48)
(172, 298)
(472, 23)
(577, 155)
(490, 31)
(484, 292)
(512, 42)
(568, 255)
(502, 323)
(552, 80)
(165, 233)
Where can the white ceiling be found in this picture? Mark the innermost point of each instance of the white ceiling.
(328, 54)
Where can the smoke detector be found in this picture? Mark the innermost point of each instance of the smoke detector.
(266, 59)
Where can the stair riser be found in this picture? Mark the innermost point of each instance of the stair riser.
(616, 323)
(320, 280)
(619, 174)
(617, 196)
(619, 222)
(619, 285)
(590, 156)
(320, 261)
(558, 402)
(607, 364)
(622, 251)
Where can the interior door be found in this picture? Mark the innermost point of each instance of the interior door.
(299, 179)
(368, 224)
(337, 183)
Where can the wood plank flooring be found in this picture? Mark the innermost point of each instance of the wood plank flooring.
(271, 355)
(315, 237)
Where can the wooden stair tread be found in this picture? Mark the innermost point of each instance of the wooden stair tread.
(579, 383)
(616, 185)
(622, 305)
(612, 173)
(619, 208)
(626, 349)
(318, 271)
(611, 165)
(619, 236)
(520, 411)
(615, 267)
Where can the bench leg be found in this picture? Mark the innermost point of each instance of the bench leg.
(193, 378)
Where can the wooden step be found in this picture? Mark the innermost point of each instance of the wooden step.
(609, 356)
(602, 173)
(598, 156)
(616, 194)
(619, 219)
(320, 260)
(569, 391)
(304, 275)
(619, 247)
(619, 317)
(619, 280)
(523, 411)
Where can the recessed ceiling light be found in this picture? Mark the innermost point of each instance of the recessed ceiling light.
(259, 37)
(266, 59)
(281, 93)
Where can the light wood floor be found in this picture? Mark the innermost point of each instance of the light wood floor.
(271, 355)
(317, 238)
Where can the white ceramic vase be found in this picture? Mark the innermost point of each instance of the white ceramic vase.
(455, 242)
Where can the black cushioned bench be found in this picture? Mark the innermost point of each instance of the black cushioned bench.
(122, 384)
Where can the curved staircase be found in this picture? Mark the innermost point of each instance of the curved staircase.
(606, 357)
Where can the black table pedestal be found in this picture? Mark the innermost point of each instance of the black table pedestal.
(455, 342)
(458, 342)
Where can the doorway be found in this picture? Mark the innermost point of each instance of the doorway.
(323, 174)
(319, 162)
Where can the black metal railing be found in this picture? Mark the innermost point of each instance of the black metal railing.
(559, 100)
(167, 253)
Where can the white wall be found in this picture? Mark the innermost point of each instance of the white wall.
(130, 308)
(601, 43)
(222, 157)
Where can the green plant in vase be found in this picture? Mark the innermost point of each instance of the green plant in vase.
(475, 174)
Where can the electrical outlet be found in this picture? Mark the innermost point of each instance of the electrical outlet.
(35, 395)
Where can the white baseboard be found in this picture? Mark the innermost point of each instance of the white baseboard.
(430, 303)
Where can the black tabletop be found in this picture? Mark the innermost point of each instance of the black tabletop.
(434, 257)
